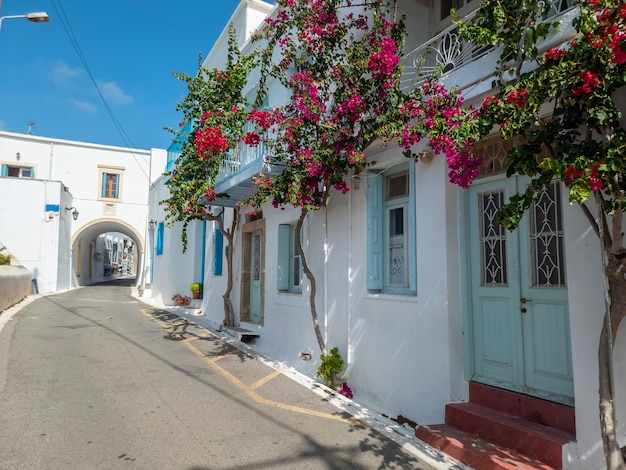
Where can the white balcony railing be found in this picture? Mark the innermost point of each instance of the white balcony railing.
(446, 52)
(243, 156)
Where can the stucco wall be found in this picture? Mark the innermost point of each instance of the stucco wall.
(15, 284)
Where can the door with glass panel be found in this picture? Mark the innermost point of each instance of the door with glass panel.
(256, 275)
(519, 319)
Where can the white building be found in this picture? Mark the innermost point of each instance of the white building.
(443, 337)
(58, 198)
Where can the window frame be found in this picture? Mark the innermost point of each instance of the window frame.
(6, 167)
(287, 258)
(379, 207)
(463, 10)
(113, 171)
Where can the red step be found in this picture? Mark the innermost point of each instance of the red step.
(533, 409)
(532, 439)
(499, 429)
(475, 452)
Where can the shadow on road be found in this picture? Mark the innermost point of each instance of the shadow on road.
(118, 282)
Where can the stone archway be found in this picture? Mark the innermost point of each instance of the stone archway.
(85, 257)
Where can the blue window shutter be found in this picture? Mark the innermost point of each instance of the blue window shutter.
(374, 232)
(116, 186)
(282, 273)
(104, 185)
(5, 170)
(160, 234)
(218, 250)
(412, 230)
(32, 172)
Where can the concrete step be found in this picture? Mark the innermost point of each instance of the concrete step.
(531, 439)
(476, 452)
(500, 429)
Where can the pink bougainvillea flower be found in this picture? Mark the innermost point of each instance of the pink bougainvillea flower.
(252, 139)
(518, 98)
(590, 81)
(346, 391)
(210, 142)
(555, 54)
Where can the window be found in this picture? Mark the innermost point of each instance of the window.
(448, 5)
(391, 260)
(110, 182)
(160, 235)
(18, 171)
(110, 185)
(289, 275)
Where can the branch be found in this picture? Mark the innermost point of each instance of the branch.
(607, 241)
(591, 219)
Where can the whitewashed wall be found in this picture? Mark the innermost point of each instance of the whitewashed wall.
(38, 239)
(75, 164)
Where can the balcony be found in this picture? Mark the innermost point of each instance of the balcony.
(470, 67)
(235, 175)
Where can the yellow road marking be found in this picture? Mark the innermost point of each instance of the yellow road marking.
(250, 390)
(264, 380)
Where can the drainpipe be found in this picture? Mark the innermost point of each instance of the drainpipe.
(350, 278)
(51, 159)
(326, 275)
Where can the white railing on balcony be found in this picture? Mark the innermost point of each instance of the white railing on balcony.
(242, 156)
(446, 52)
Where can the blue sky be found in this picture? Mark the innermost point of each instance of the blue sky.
(131, 48)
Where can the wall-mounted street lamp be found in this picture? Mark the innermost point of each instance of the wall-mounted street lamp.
(74, 212)
(35, 17)
(152, 224)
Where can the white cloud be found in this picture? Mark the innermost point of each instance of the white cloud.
(84, 106)
(3, 126)
(111, 91)
(62, 73)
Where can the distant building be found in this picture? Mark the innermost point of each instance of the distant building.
(66, 204)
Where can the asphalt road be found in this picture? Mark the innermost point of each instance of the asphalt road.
(94, 379)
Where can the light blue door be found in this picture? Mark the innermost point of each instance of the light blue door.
(256, 276)
(519, 318)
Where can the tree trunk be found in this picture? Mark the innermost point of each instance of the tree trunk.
(311, 278)
(612, 453)
(229, 311)
(614, 273)
(615, 308)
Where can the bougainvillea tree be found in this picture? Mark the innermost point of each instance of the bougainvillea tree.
(214, 111)
(564, 103)
(341, 64)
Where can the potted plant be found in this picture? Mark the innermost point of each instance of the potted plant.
(181, 299)
(196, 290)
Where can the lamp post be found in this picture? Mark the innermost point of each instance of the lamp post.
(35, 17)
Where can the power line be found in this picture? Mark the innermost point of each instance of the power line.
(70, 34)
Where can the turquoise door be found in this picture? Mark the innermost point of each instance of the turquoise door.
(519, 320)
(256, 276)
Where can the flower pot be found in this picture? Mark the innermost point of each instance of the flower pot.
(196, 295)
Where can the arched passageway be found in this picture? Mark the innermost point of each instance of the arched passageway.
(96, 257)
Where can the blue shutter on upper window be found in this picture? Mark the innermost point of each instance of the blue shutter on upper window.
(375, 247)
(282, 272)
(218, 247)
(32, 172)
(5, 170)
